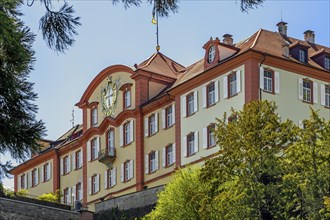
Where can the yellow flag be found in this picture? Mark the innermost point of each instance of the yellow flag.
(153, 20)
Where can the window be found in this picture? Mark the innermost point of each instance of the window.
(327, 96)
(35, 178)
(169, 153)
(22, 179)
(232, 84)
(169, 116)
(111, 142)
(127, 99)
(190, 144)
(66, 164)
(78, 192)
(95, 186)
(46, 174)
(110, 178)
(152, 124)
(210, 135)
(127, 133)
(94, 116)
(302, 56)
(78, 159)
(126, 171)
(94, 149)
(66, 196)
(210, 94)
(327, 63)
(190, 104)
(307, 90)
(152, 162)
(268, 81)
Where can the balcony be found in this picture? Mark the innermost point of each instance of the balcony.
(107, 157)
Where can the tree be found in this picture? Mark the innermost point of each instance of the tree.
(245, 177)
(19, 129)
(59, 27)
(181, 197)
(306, 184)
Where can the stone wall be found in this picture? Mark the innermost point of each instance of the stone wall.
(139, 199)
(19, 210)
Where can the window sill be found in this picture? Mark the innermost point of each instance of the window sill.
(269, 92)
(229, 97)
(168, 127)
(210, 147)
(187, 116)
(190, 155)
(308, 102)
(78, 168)
(126, 145)
(209, 106)
(169, 165)
(152, 172)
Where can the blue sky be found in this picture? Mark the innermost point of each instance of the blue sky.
(112, 35)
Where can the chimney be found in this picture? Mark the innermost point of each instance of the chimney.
(285, 49)
(282, 28)
(227, 39)
(309, 36)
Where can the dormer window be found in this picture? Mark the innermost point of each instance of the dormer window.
(211, 54)
(302, 55)
(327, 63)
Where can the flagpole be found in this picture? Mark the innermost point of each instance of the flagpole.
(157, 47)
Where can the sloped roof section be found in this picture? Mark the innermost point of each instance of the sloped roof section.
(160, 64)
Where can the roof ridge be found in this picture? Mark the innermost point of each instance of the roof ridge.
(256, 39)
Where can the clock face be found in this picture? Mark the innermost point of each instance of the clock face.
(211, 54)
(108, 97)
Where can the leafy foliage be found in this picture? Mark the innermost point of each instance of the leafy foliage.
(19, 129)
(266, 169)
(51, 197)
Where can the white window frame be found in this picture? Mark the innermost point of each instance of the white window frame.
(94, 116)
(127, 98)
(302, 55)
(327, 63)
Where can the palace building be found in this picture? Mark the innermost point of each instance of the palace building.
(141, 123)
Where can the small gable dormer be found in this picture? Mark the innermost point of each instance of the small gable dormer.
(322, 58)
(216, 51)
(299, 51)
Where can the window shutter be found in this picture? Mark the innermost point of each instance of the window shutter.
(114, 176)
(61, 166)
(238, 81)
(216, 91)
(37, 173)
(163, 157)
(301, 124)
(88, 151)
(225, 87)
(69, 163)
(322, 94)
(98, 146)
(70, 196)
(195, 101)
(30, 179)
(49, 170)
(25, 181)
(205, 137)
(196, 142)
(163, 118)
(81, 158)
(156, 122)
(204, 97)
(173, 113)
(184, 146)
(19, 182)
(97, 183)
(131, 169)
(277, 82)
(122, 173)
(157, 160)
(315, 93)
(174, 153)
(300, 88)
(81, 190)
(121, 136)
(184, 106)
(146, 164)
(74, 161)
(261, 77)
(74, 193)
(131, 130)
(106, 178)
(90, 185)
(42, 179)
(146, 127)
